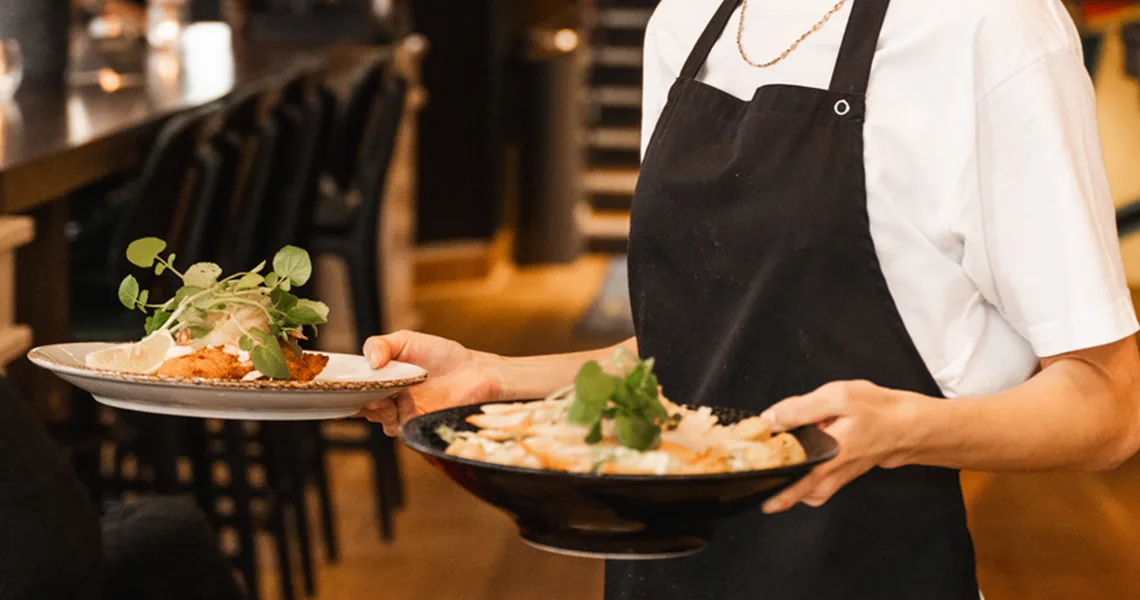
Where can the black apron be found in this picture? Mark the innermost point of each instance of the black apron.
(753, 278)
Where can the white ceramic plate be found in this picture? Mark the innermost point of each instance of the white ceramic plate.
(346, 385)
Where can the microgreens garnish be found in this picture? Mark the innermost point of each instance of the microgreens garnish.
(259, 309)
(630, 400)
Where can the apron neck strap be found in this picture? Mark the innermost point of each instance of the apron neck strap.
(708, 39)
(852, 68)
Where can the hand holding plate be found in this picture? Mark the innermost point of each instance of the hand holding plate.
(869, 423)
(456, 376)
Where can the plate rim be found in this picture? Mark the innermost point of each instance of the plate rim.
(789, 470)
(39, 358)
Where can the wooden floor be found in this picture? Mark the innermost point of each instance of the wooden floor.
(1048, 536)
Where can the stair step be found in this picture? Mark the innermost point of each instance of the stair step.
(616, 95)
(611, 181)
(624, 18)
(615, 56)
(616, 138)
(605, 203)
(611, 158)
(604, 226)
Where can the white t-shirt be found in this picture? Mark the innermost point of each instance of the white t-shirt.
(986, 189)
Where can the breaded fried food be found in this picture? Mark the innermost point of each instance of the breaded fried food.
(305, 367)
(207, 363)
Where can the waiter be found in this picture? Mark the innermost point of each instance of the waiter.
(898, 227)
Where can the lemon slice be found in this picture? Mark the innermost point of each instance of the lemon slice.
(145, 356)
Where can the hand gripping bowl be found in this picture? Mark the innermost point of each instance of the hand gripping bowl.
(616, 517)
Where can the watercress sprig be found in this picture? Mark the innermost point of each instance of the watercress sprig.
(261, 308)
(630, 400)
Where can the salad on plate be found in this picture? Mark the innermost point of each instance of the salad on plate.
(246, 326)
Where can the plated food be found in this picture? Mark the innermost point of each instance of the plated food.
(619, 424)
(225, 348)
(611, 515)
(244, 327)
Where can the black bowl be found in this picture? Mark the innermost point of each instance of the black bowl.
(624, 517)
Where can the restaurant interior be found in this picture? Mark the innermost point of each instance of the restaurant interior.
(459, 167)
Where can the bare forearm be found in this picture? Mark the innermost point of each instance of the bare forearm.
(521, 378)
(1074, 414)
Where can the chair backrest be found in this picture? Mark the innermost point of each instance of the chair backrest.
(302, 119)
(353, 122)
(159, 198)
(368, 183)
(49, 529)
(370, 174)
(230, 163)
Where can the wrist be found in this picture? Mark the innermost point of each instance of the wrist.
(911, 415)
(493, 367)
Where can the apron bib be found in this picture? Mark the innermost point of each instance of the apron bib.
(753, 277)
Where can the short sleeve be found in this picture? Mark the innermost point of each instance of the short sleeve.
(1040, 239)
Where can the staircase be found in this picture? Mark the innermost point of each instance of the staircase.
(616, 31)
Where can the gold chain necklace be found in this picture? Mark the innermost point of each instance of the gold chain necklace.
(795, 44)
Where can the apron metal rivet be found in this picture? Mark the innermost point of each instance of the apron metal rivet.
(842, 108)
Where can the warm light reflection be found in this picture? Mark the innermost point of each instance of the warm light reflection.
(109, 80)
(78, 120)
(566, 40)
(164, 33)
(166, 66)
(113, 26)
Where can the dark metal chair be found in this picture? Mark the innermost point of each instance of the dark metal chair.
(350, 232)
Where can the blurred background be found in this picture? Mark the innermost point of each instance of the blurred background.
(462, 167)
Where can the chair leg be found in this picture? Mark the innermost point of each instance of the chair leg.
(198, 450)
(243, 514)
(324, 491)
(165, 455)
(380, 449)
(394, 481)
(277, 493)
(366, 303)
(295, 465)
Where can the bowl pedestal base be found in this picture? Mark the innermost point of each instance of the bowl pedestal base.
(613, 545)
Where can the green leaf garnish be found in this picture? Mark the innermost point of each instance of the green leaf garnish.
(129, 292)
(266, 313)
(294, 347)
(202, 275)
(143, 252)
(250, 281)
(592, 390)
(269, 362)
(156, 321)
(181, 295)
(595, 434)
(632, 401)
(303, 315)
(198, 332)
(636, 433)
(320, 308)
(282, 300)
(292, 263)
